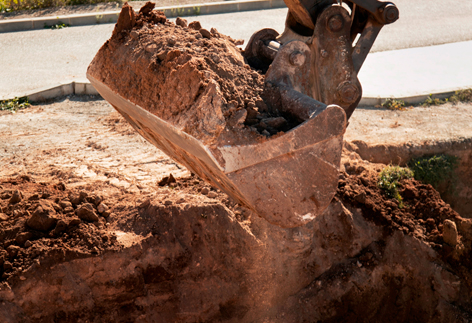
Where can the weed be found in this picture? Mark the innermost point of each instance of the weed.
(59, 25)
(433, 101)
(15, 104)
(389, 181)
(461, 96)
(435, 169)
(393, 104)
(197, 11)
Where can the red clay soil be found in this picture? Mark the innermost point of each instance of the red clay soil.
(423, 215)
(191, 77)
(45, 222)
(193, 255)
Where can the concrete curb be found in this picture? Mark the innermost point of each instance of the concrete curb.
(58, 90)
(83, 87)
(409, 100)
(12, 25)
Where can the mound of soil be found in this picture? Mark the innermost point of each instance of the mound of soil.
(423, 215)
(45, 222)
(188, 254)
(191, 77)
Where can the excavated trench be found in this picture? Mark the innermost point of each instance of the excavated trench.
(187, 253)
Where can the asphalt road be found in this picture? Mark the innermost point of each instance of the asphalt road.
(41, 58)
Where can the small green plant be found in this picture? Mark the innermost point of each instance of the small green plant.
(393, 104)
(59, 25)
(435, 169)
(461, 96)
(15, 104)
(197, 11)
(433, 101)
(389, 181)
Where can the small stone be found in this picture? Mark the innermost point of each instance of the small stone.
(61, 226)
(239, 42)
(450, 232)
(195, 25)
(167, 202)
(205, 33)
(23, 237)
(212, 194)
(74, 199)
(87, 213)
(94, 250)
(106, 214)
(180, 200)
(74, 222)
(65, 204)
(162, 55)
(181, 22)
(16, 197)
(205, 191)
(3, 217)
(34, 197)
(43, 218)
(94, 199)
(69, 209)
(102, 207)
(28, 244)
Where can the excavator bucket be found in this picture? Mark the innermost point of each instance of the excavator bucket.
(287, 177)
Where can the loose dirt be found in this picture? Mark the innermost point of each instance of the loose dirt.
(195, 79)
(178, 250)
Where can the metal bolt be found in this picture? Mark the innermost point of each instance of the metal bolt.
(297, 58)
(324, 53)
(348, 92)
(336, 23)
(390, 13)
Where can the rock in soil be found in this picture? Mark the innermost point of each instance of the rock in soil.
(193, 78)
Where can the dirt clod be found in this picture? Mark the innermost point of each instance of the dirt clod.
(86, 212)
(181, 22)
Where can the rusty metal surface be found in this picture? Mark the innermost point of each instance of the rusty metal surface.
(364, 44)
(334, 78)
(287, 180)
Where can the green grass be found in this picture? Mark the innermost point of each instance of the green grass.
(389, 181)
(15, 104)
(435, 169)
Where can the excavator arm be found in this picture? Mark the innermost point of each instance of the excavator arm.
(310, 75)
(339, 37)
